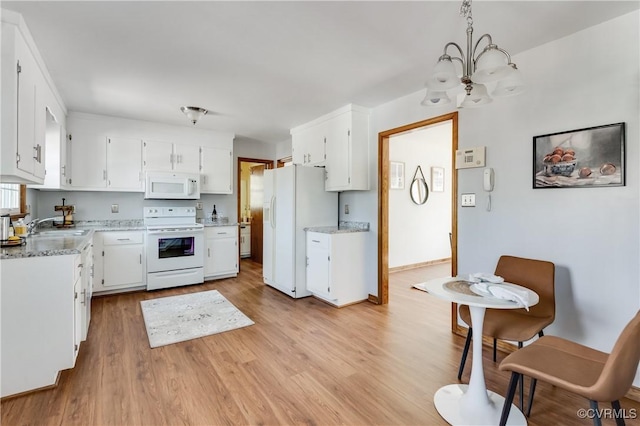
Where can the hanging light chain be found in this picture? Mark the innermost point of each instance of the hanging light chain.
(465, 10)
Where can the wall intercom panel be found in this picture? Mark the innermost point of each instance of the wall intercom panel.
(470, 157)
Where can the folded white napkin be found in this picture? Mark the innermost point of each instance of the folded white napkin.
(521, 297)
(485, 277)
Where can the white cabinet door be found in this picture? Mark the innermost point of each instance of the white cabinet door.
(88, 159)
(123, 265)
(245, 241)
(216, 170)
(77, 316)
(339, 153)
(157, 156)
(40, 126)
(308, 145)
(186, 158)
(124, 164)
(222, 251)
(86, 289)
(26, 103)
(318, 264)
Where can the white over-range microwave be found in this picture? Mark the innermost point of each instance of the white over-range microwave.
(172, 186)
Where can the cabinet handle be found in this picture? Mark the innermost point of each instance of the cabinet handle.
(64, 170)
(305, 159)
(208, 252)
(104, 175)
(80, 265)
(309, 157)
(84, 297)
(315, 241)
(179, 158)
(141, 259)
(123, 239)
(35, 153)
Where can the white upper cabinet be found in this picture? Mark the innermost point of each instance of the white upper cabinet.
(161, 156)
(88, 157)
(216, 170)
(341, 141)
(26, 95)
(102, 162)
(124, 164)
(308, 145)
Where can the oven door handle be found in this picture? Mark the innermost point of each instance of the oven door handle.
(176, 231)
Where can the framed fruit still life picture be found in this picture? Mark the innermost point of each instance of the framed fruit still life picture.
(583, 158)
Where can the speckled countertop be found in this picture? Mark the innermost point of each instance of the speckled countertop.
(60, 245)
(342, 228)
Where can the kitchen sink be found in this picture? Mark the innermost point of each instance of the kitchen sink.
(62, 233)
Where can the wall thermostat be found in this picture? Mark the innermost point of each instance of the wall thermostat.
(470, 157)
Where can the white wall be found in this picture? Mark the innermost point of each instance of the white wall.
(591, 234)
(427, 236)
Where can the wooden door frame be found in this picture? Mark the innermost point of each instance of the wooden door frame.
(268, 164)
(383, 204)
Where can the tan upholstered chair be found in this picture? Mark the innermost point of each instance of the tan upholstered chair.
(518, 325)
(587, 372)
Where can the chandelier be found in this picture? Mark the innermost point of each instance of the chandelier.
(491, 66)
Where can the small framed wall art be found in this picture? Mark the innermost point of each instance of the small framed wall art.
(396, 175)
(437, 179)
(583, 158)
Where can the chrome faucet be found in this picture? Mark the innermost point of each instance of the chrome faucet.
(33, 225)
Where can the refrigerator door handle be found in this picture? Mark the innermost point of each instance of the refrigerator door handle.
(273, 212)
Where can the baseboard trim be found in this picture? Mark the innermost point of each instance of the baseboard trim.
(634, 392)
(419, 265)
(373, 299)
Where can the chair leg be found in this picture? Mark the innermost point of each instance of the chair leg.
(617, 413)
(506, 408)
(532, 390)
(596, 418)
(495, 342)
(541, 333)
(465, 352)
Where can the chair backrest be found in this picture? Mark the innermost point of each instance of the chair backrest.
(537, 275)
(621, 366)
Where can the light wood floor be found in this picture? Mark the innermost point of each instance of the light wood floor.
(303, 362)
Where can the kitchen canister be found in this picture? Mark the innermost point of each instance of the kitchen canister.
(5, 226)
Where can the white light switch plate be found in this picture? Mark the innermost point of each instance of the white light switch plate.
(468, 200)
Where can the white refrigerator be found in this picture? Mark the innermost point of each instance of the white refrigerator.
(294, 199)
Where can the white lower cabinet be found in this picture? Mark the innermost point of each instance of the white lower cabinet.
(245, 241)
(45, 313)
(336, 267)
(121, 263)
(221, 254)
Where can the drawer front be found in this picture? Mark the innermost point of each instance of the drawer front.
(120, 238)
(319, 240)
(221, 232)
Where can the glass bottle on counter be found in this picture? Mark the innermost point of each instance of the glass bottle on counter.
(214, 214)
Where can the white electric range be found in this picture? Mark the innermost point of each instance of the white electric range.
(175, 247)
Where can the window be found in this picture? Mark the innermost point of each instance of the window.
(12, 199)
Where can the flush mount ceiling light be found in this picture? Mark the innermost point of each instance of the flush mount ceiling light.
(491, 66)
(193, 113)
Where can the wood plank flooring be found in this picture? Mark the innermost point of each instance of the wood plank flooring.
(303, 362)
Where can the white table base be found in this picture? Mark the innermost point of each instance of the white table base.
(474, 404)
(450, 403)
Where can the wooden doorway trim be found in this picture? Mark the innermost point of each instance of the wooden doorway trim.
(383, 204)
(268, 164)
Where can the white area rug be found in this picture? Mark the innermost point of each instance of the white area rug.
(189, 316)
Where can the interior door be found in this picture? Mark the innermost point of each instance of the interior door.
(256, 202)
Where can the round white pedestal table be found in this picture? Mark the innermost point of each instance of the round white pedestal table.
(473, 404)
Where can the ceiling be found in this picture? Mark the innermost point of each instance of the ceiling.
(264, 67)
